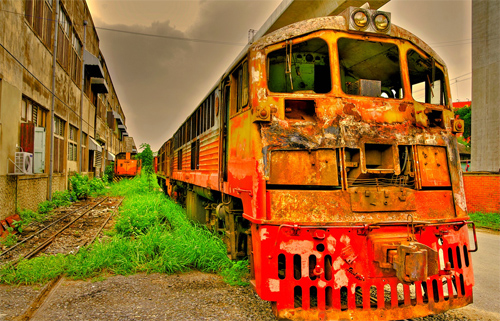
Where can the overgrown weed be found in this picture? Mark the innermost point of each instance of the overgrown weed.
(152, 234)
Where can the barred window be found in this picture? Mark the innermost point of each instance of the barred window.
(72, 151)
(73, 132)
(59, 127)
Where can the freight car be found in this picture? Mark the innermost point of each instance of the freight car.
(126, 166)
(326, 155)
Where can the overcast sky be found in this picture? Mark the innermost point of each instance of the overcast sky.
(159, 81)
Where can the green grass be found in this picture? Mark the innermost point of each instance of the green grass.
(152, 234)
(487, 220)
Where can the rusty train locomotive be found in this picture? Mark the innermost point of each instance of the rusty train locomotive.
(326, 155)
(126, 166)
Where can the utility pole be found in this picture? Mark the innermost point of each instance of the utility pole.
(80, 149)
(54, 65)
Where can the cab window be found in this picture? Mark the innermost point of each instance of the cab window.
(369, 68)
(426, 79)
(302, 67)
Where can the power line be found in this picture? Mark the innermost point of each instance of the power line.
(174, 38)
(50, 91)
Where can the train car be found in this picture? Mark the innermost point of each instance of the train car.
(126, 166)
(326, 155)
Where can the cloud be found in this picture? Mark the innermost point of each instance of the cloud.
(159, 82)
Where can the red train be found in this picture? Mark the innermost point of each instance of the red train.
(126, 165)
(326, 155)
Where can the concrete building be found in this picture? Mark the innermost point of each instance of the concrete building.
(485, 86)
(88, 128)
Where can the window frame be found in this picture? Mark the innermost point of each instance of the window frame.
(401, 59)
(332, 56)
(445, 83)
(40, 22)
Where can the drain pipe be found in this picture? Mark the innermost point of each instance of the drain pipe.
(80, 150)
(54, 65)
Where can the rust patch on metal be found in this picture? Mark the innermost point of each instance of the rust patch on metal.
(349, 109)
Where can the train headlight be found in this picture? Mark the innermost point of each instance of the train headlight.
(367, 20)
(360, 19)
(381, 21)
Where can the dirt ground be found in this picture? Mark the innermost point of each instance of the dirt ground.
(187, 296)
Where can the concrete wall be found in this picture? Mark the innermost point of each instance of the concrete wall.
(27, 191)
(485, 86)
(26, 69)
(482, 191)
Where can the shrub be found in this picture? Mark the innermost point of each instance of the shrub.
(80, 186)
(97, 186)
(45, 207)
(62, 198)
(109, 172)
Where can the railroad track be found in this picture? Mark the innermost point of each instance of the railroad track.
(67, 234)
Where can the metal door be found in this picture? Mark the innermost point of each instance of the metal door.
(39, 151)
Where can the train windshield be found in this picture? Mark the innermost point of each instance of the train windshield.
(426, 79)
(370, 68)
(302, 67)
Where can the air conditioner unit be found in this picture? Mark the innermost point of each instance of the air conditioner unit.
(24, 163)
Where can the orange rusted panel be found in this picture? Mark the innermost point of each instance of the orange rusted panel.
(315, 167)
(435, 204)
(310, 206)
(433, 166)
(386, 199)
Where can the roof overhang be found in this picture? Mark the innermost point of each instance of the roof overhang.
(92, 65)
(94, 145)
(99, 85)
(118, 118)
(111, 156)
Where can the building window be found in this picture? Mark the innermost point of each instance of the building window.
(72, 145)
(85, 153)
(32, 132)
(27, 110)
(59, 127)
(63, 45)
(58, 145)
(38, 14)
(76, 59)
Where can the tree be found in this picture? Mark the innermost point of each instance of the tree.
(147, 160)
(465, 114)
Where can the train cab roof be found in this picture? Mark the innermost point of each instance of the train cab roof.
(339, 23)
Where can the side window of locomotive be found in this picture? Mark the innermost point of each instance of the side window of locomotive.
(426, 79)
(301, 67)
(370, 68)
(239, 91)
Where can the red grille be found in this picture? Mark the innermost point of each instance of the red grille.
(326, 273)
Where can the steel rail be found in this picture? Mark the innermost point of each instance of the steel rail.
(43, 229)
(105, 222)
(52, 238)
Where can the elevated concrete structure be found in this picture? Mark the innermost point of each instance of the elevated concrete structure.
(290, 11)
(485, 86)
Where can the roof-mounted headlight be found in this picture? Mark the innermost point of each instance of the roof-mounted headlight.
(367, 20)
(381, 21)
(360, 18)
